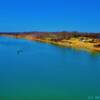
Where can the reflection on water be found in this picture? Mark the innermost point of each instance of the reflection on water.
(38, 71)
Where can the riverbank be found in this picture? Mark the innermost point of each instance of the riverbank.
(89, 42)
(73, 43)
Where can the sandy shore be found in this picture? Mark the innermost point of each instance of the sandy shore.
(72, 43)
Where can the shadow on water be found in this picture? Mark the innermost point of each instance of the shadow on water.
(95, 54)
(19, 51)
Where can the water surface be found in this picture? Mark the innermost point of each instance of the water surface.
(38, 71)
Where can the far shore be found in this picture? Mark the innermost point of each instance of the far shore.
(89, 41)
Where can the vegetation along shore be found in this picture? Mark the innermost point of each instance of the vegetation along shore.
(89, 41)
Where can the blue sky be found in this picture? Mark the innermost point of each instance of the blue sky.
(49, 15)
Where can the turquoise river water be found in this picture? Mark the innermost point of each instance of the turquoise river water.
(38, 71)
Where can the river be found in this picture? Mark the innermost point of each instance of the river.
(38, 71)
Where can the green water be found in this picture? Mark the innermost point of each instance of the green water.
(38, 71)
